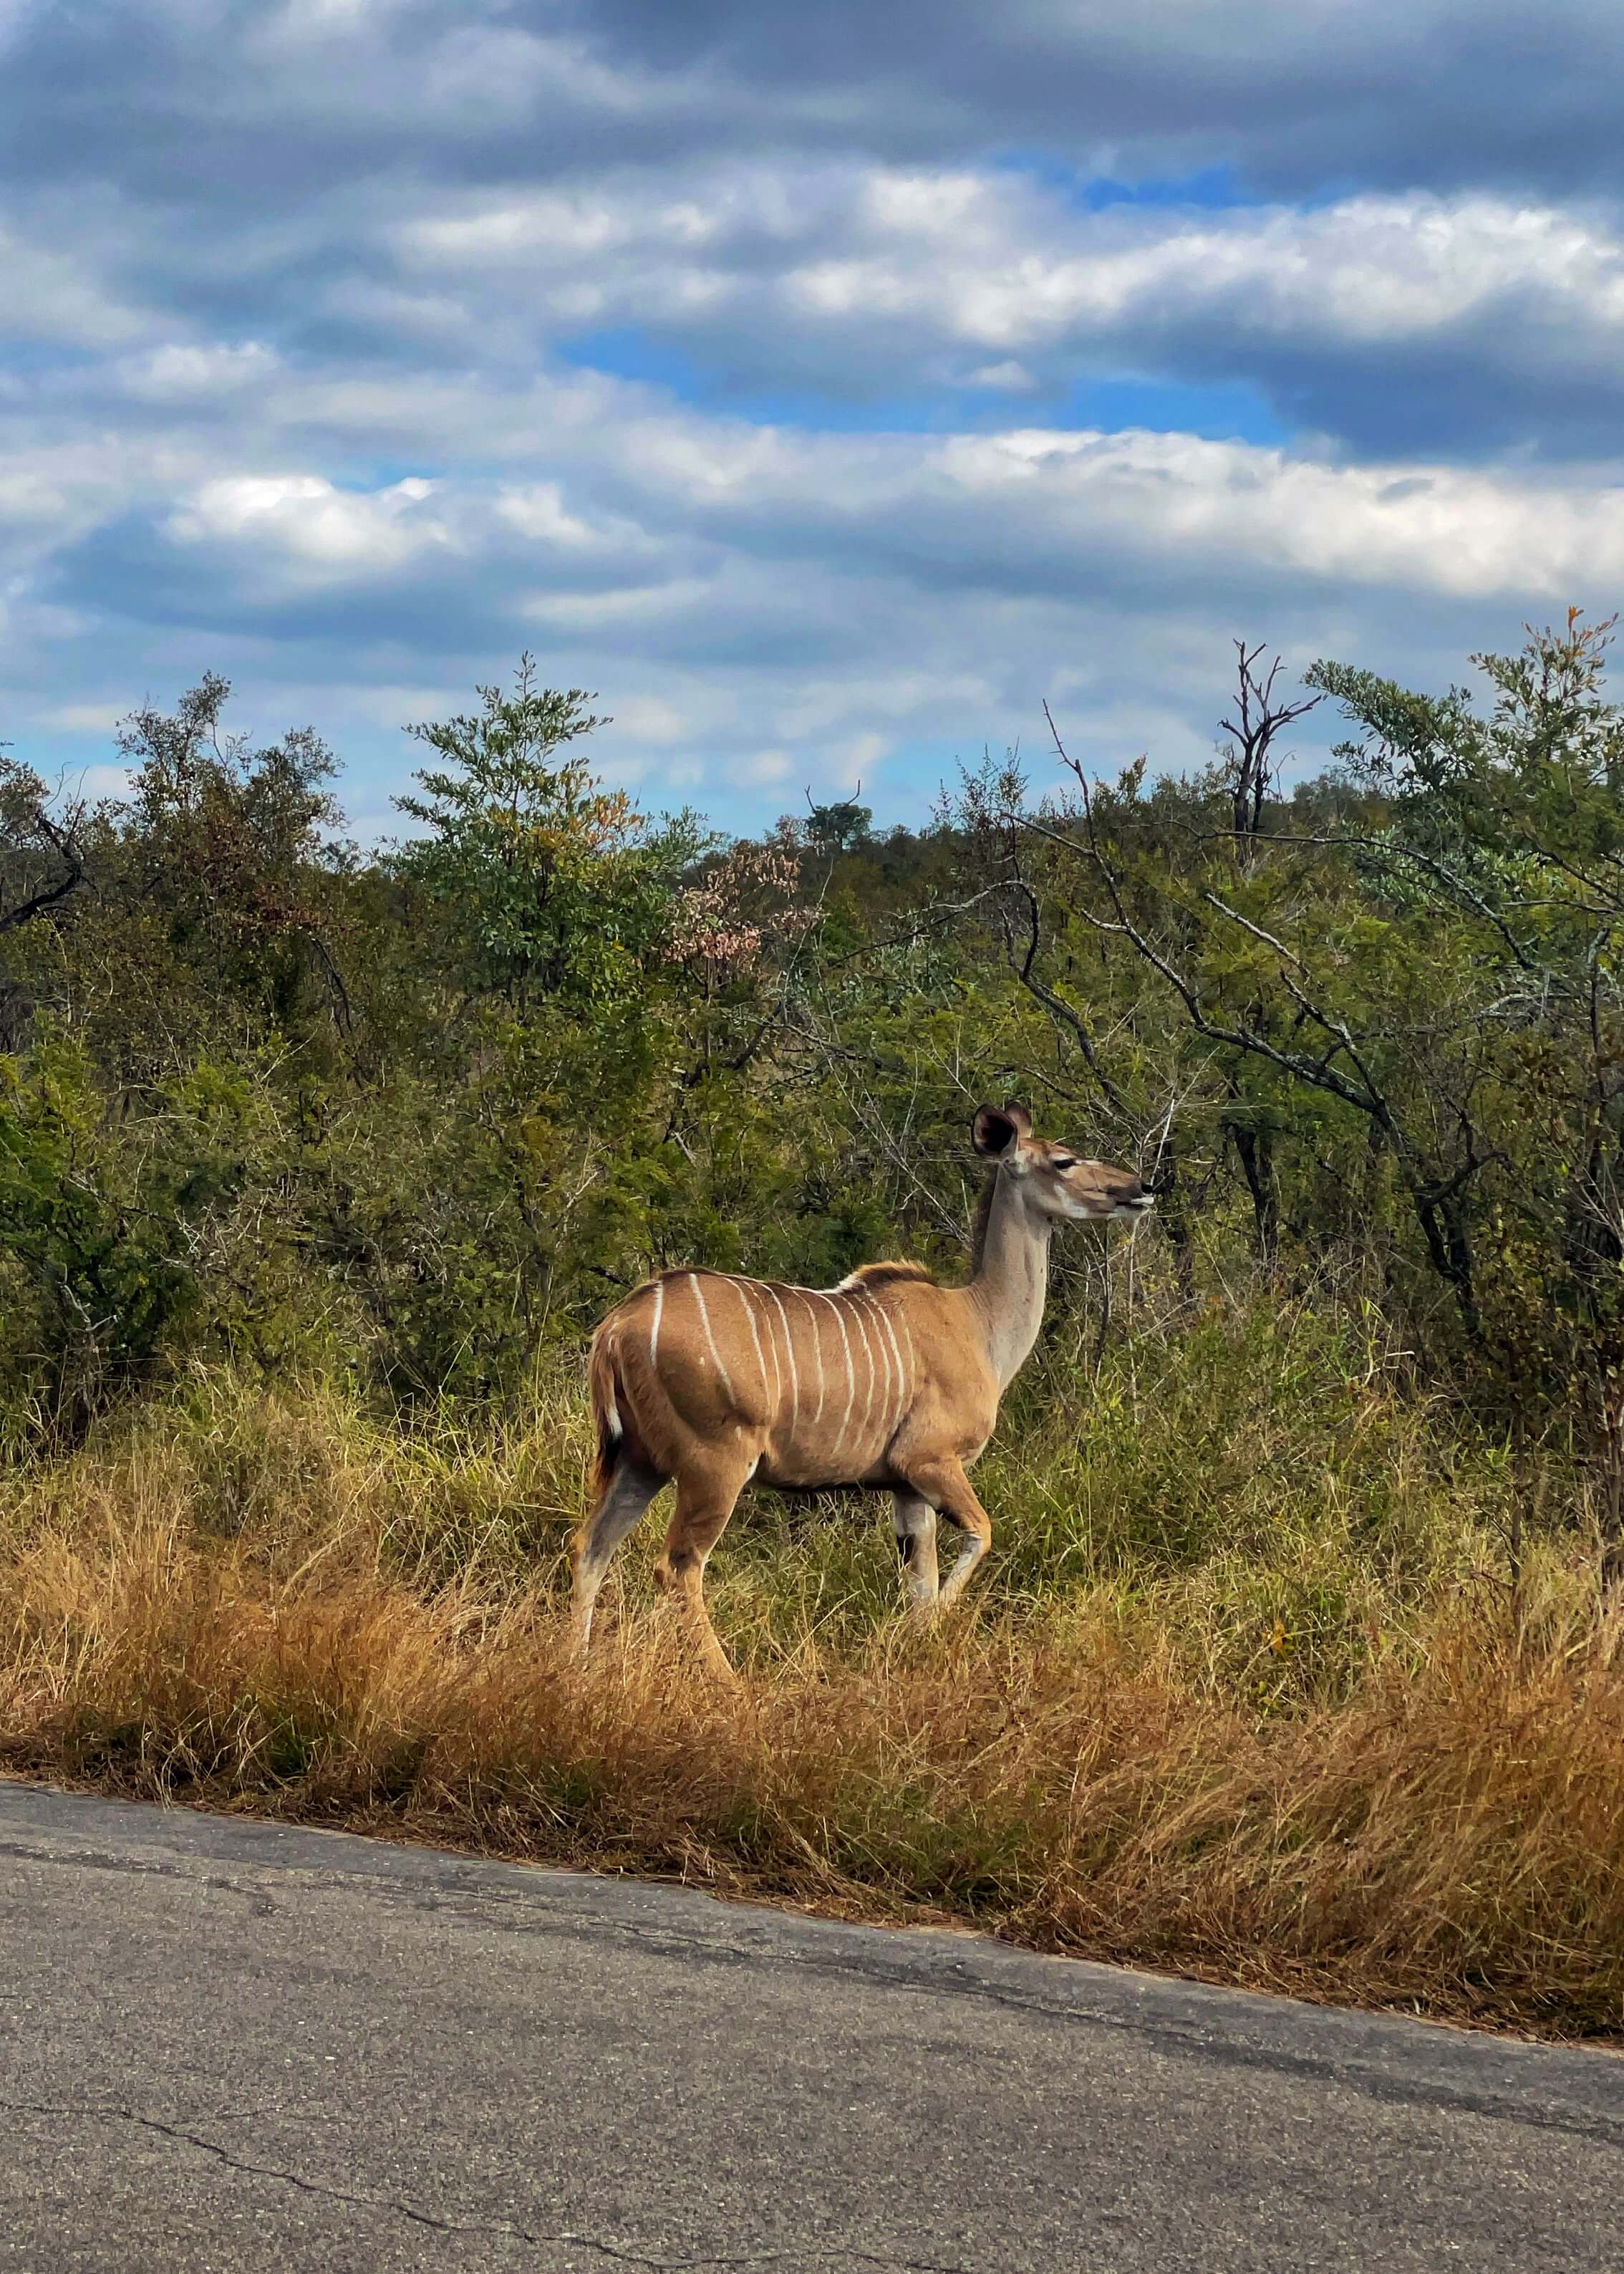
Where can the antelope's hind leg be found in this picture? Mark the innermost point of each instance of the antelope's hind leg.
(705, 1500)
(630, 1490)
(915, 1524)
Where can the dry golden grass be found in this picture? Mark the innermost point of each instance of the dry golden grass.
(274, 1607)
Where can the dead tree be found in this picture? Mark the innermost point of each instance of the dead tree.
(1249, 755)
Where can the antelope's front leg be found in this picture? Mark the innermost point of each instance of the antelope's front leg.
(944, 1484)
(915, 1522)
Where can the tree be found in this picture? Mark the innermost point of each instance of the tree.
(838, 827)
(1507, 833)
(217, 858)
(1248, 761)
(547, 883)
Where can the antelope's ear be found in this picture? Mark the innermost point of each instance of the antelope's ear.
(998, 1130)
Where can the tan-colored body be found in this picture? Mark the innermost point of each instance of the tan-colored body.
(889, 1381)
(805, 1386)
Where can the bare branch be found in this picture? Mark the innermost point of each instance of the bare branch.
(63, 842)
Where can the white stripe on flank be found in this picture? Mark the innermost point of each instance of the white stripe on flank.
(878, 1308)
(789, 1352)
(759, 1287)
(902, 1379)
(693, 1281)
(850, 1373)
(818, 1345)
(913, 1377)
(914, 1373)
(659, 1305)
(741, 1286)
(862, 1324)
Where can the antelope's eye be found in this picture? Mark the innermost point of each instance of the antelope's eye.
(1062, 1161)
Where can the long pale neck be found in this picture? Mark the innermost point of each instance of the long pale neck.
(1011, 1285)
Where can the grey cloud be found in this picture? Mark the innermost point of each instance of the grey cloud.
(237, 172)
(1398, 322)
(1292, 94)
(233, 104)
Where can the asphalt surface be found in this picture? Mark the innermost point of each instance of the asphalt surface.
(227, 2046)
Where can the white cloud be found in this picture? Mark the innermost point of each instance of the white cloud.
(187, 373)
(1006, 269)
(803, 259)
(102, 781)
(301, 402)
(733, 589)
(83, 718)
(621, 608)
(761, 770)
(1186, 501)
(62, 296)
(306, 520)
(538, 513)
(861, 759)
(1008, 377)
(649, 719)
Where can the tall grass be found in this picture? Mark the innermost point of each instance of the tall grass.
(1245, 1691)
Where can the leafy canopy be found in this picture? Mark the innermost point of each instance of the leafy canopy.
(548, 884)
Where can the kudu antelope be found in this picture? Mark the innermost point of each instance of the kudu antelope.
(889, 1381)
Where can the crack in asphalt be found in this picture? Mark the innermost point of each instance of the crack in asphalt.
(955, 1981)
(525, 1910)
(97, 1859)
(620, 2253)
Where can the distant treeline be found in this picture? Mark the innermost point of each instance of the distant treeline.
(412, 1114)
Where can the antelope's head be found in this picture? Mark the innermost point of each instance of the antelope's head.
(1056, 1181)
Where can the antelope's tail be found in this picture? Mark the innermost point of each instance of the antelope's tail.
(608, 1395)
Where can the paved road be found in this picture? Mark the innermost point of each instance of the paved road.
(229, 2046)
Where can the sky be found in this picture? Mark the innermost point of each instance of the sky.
(826, 390)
